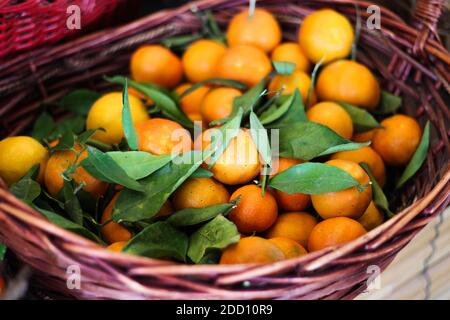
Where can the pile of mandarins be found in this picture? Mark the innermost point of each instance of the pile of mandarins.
(271, 224)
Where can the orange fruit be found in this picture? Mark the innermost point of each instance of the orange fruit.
(117, 246)
(60, 162)
(348, 81)
(18, 155)
(259, 30)
(293, 53)
(334, 231)
(218, 103)
(244, 63)
(293, 225)
(254, 213)
(190, 103)
(199, 193)
(156, 64)
(297, 80)
(371, 218)
(345, 203)
(369, 156)
(289, 247)
(200, 59)
(113, 231)
(163, 136)
(363, 136)
(397, 141)
(166, 210)
(106, 114)
(326, 35)
(333, 116)
(286, 201)
(251, 250)
(239, 163)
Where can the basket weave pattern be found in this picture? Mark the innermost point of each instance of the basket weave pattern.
(409, 60)
(28, 24)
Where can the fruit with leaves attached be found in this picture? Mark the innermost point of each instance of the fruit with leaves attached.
(106, 116)
(293, 53)
(112, 231)
(18, 155)
(351, 202)
(191, 103)
(333, 116)
(218, 103)
(288, 83)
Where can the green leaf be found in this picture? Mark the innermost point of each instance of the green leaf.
(362, 120)
(308, 140)
(389, 103)
(127, 122)
(260, 138)
(193, 216)
(202, 173)
(274, 112)
(221, 137)
(379, 198)
(214, 81)
(134, 206)
(66, 142)
(72, 125)
(26, 189)
(43, 126)
(418, 158)
(103, 167)
(180, 41)
(2, 251)
(71, 203)
(161, 99)
(246, 102)
(312, 178)
(139, 164)
(84, 137)
(283, 67)
(313, 81)
(79, 101)
(64, 223)
(219, 233)
(159, 240)
(295, 112)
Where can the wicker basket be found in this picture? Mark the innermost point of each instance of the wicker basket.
(31, 23)
(409, 60)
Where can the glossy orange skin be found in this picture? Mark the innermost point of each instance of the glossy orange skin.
(112, 231)
(293, 225)
(363, 136)
(117, 246)
(333, 232)
(333, 116)
(350, 202)
(293, 53)
(156, 64)
(60, 162)
(397, 141)
(297, 80)
(244, 63)
(239, 163)
(254, 213)
(348, 81)
(369, 156)
(290, 248)
(191, 103)
(371, 218)
(163, 136)
(199, 193)
(218, 103)
(326, 35)
(251, 250)
(286, 201)
(259, 30)
(200, 59)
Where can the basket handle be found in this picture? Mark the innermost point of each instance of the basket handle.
(426, 15)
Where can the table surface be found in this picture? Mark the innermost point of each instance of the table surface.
(421, 270)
